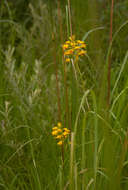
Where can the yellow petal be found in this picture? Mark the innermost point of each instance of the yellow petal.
(68, 52)
(65, 46)
(54, 132)
(59, 124)
(59, 137)
(55, 128)
(72, 37)
(67, 60)
(59, 130)
(60, 143)
(82, 52)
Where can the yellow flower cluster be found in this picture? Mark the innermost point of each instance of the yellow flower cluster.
(73, 48)
(60, 133)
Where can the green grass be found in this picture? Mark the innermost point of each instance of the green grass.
(37, 90)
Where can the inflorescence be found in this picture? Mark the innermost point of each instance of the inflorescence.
(60, 133)
(73, 49)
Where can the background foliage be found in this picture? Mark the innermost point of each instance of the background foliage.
(30, 42)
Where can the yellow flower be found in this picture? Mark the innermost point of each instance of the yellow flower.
(59, 124)
(59, 130)
(60, 143)
(67, 130)
(74, 49)
(65, 133)
(67, 60)
(83, 46)
(59, 137)
(68, 42)
(55, 128)
(54, 132)
(77, 47)
(80, 42)
(73, 44)
(68, 52)
(65, 46)
(60, 133)
(82, 52)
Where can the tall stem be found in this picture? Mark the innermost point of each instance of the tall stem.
(70, 21)
(57, 82)
(110, 56)
(64, 65)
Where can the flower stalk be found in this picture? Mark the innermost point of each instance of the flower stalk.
(110, 56)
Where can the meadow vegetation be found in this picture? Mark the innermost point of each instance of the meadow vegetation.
(63, 95)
